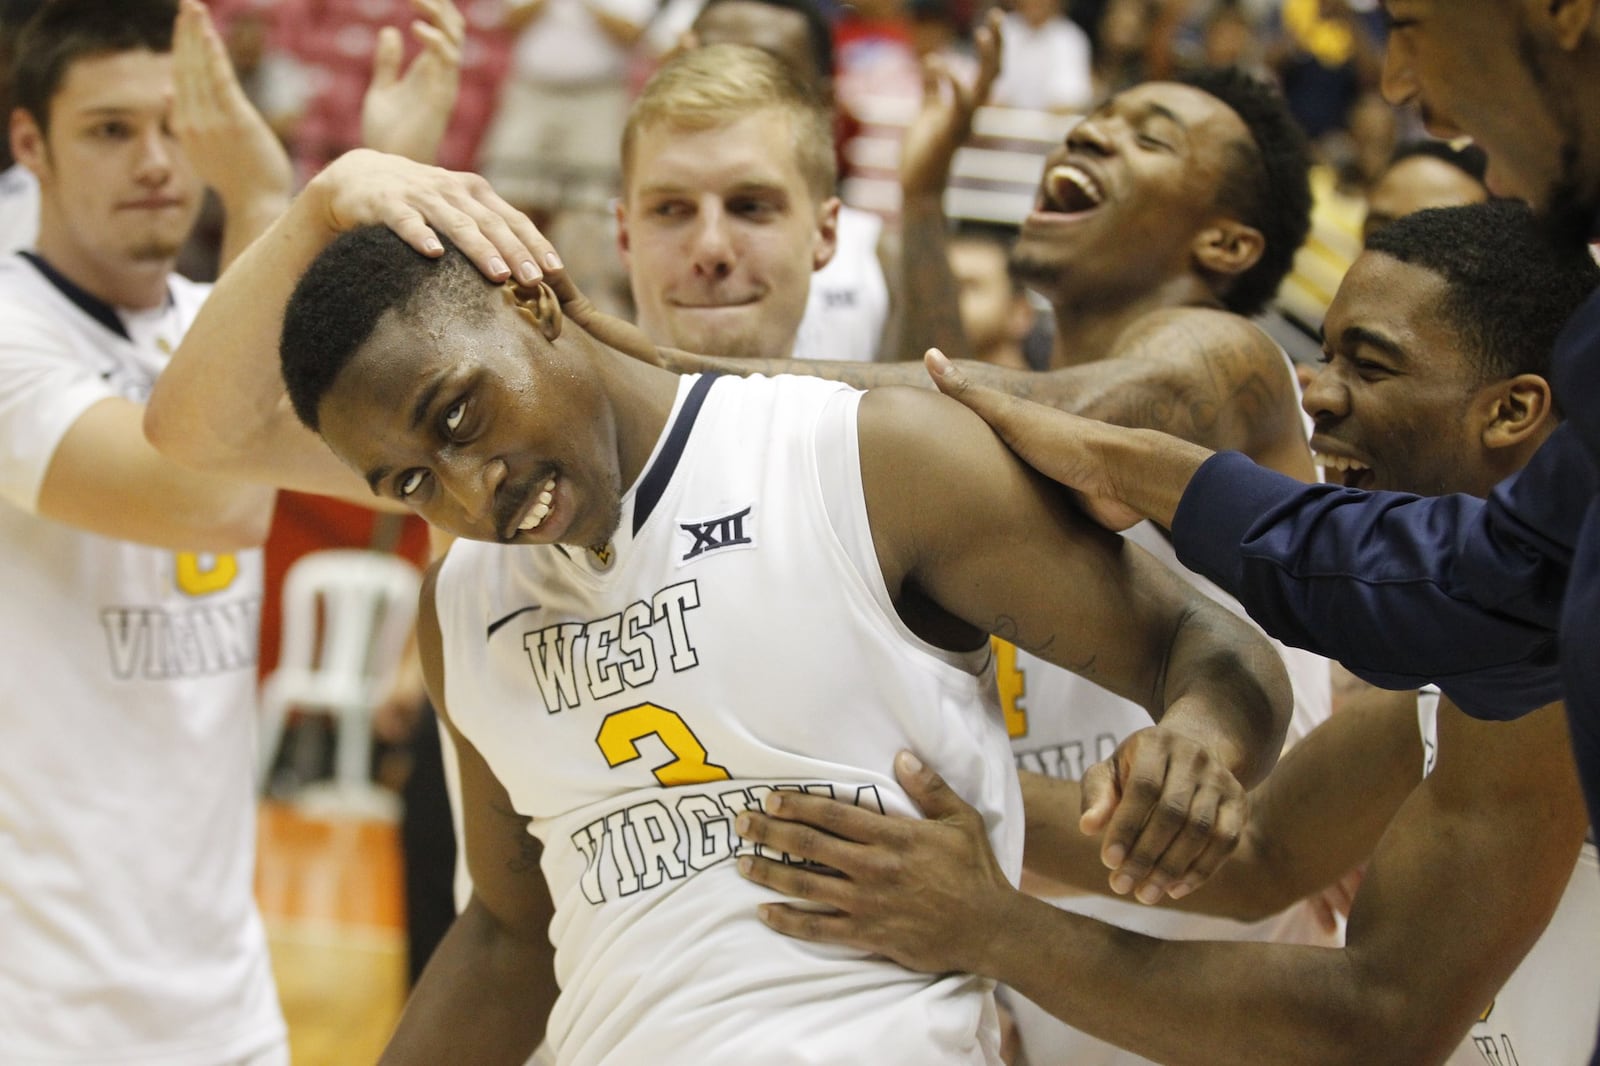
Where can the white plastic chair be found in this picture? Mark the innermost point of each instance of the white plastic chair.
(347, 614)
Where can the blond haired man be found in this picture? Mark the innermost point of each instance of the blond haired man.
(728, 201)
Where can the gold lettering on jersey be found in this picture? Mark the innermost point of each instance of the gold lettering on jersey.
(201, 574)
(1012, 685)
(577, 661)
(664, 839)
(162, 644)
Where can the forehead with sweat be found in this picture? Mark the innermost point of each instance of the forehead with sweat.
(349, 288)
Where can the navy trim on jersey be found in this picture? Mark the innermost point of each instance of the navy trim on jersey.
(655, 480)
(87, 302)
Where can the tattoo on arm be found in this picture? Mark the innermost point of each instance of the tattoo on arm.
(1208, 382)
(1006, 628)
(529, 849)
(528, 853)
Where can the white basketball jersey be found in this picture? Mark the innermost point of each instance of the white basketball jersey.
(1546, 1012)
(737, 639)
(848, 303)
(1061, 725)
(128, 931)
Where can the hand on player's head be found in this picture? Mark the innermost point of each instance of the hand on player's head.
(364, 187)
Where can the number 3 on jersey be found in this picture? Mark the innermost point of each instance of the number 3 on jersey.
(621, 732)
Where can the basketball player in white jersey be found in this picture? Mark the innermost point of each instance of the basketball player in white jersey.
(1437, 344)
(1150, 286)
(657, 636)
(848, 299)
(132, 586)
(728, 214)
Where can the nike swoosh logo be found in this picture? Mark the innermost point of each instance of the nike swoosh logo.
(520, 610)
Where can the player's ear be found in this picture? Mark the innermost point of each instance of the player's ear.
(826, 242)
(1571, 20)
(622, 232)
(27, 142)
(537, 304)
(1228, 248)
(1517, 408)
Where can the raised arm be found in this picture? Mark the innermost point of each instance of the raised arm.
(221, 406)
(406, 112)
(486, 993)
(231, 146)
(74, 452)
(74, 447)
(1207, 377)
(1401, 590)
(958, 521)
(927, 150)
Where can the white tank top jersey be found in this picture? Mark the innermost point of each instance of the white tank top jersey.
(1061, 725)
(738, 639)
(1546, 1012)
(127, 689)
(849, 299)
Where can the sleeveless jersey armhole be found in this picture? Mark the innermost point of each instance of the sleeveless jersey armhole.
(838, 464)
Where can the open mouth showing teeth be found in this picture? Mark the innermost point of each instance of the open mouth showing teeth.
(541, 507)
(1351, 473)
(1071, 190)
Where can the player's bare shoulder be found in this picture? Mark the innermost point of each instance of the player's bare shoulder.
(1225, 383)
(913, 432)
(1203, 335)
(929, 469)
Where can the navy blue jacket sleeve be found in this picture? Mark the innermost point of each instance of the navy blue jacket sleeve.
(1403, 590)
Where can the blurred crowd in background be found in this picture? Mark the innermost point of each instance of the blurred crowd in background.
(306, 64)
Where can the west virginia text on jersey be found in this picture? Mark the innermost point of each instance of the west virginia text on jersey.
(741, 640)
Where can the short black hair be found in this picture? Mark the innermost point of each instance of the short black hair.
(362, 276)
(1269, 187)
(1511, 290)
(1469, 159)
(818, 29)
(14, 14)
(62, 32)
